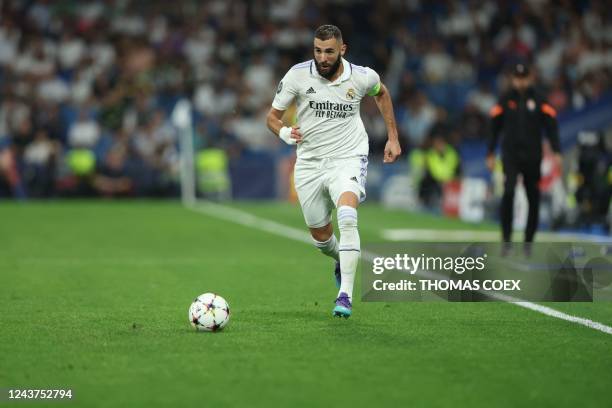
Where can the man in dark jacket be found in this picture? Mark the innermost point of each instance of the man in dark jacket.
(521, 118)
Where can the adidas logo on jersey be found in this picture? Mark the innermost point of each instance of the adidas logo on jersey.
(310, 91)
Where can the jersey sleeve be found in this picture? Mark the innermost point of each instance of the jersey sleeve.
(372, 82)
(285, 93)
(551, 126)
(495, 127)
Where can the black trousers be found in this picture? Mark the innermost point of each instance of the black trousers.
(530, 170)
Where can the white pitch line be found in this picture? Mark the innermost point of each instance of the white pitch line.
(72, 261)
(244, 218)
(253, 221)
(549, 311)
(409, 234)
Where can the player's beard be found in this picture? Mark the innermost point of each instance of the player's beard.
(332, 70)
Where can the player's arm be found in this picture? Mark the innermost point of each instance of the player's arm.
(385, 106)
(285, 96)
(290, 135)
(497, 117)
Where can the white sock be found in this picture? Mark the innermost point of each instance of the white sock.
(350, 248)
(329, 247)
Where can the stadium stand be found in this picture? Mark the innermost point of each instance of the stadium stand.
(87, 87)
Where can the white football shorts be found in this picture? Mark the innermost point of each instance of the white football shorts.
(319, 183)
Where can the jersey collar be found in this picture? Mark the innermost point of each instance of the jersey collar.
(346, 74)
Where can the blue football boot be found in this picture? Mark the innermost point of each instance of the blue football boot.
(343, 306)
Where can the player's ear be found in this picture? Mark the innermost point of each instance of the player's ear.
(342, 49)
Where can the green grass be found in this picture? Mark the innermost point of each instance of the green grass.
(94, 296)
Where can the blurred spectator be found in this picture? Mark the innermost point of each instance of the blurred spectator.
(40, 161)
(481, 99)
(437, 63)
(111, 178)
(595, 187)
(10, 177)
(155, 144)
(84, 132)
(441, 165)
(416, 118)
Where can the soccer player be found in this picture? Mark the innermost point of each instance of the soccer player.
(332, 147)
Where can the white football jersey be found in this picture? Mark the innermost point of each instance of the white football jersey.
(328, 112)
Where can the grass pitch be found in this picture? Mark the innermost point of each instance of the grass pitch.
(94, 297)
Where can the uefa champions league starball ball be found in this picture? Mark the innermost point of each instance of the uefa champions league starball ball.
(209, 312)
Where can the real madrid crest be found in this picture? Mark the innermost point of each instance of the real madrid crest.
(531, 105)
(350, 93)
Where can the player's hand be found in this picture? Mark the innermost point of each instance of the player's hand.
(290, 135)
(392, 151)
(490, 162)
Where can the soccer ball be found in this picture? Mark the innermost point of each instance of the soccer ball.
(209, 312)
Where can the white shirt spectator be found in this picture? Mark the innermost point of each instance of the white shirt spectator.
(39, 152)
(548, 60)
(214, 102)
(260, 76)
(461, 20)
(9, 40)
(285, 10)
(53, 90)
(103, 54)
(420, 117)
(40, 14)
(590, 60)
(70, 51)
(482, 99)
(253, 132)
(437, 64)
(81, 88)
(130, 24)
(84, 133)
(28, 64)
(199, 48)
(91, 10)
(158, 29)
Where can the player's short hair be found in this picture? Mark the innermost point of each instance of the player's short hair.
(327, 31)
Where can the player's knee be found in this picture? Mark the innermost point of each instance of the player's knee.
(322, 234)
(347, 218)
(321, 243)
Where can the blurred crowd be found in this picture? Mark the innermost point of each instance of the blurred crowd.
(87, 87)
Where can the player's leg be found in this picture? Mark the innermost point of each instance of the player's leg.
(507, 204)
(531, 180)
(350, 245)
(327, 243)
(347, 189)
(317, 209)
(325, 240)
